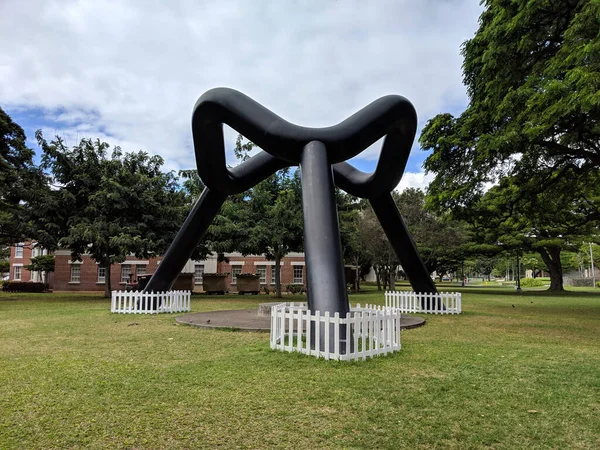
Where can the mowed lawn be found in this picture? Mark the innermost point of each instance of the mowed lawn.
(513, 371)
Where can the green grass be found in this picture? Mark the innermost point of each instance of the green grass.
(72, 375)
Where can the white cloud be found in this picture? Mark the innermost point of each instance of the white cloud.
(132, 70)
(415, 180)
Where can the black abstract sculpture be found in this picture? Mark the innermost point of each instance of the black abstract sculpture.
(321, 154)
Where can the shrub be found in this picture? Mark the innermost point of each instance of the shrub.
(248, 275)
(266, 290)
(19, 286)
(531, 282)
(295, 289)
(223, 274)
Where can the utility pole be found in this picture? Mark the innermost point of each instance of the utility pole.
(518, 273)
(593, 271)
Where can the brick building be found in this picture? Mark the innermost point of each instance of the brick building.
(20, 258)
(87, 275)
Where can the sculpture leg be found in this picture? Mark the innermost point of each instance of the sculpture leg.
(188, 237)
(322, 243)
(405, 248)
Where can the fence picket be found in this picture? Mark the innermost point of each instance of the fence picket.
(426, 302)
(336, 336)
(135, 302)
(370, 331)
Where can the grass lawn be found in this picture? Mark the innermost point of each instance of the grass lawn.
(513, 371)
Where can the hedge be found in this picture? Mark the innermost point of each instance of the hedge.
(531, 282)
(19, 286)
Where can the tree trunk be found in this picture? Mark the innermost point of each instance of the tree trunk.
(551, 256)
(377, 277)
(393, 279)
(385, 277)
(357, 278)
(107, 285)
(277, 275)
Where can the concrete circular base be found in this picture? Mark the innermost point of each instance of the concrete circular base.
(250, 320)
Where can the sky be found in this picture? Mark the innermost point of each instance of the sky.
(129, 71)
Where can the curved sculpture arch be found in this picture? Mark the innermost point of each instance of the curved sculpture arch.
(321, 154)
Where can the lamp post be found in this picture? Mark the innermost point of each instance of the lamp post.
(518, 273)
(592, 265)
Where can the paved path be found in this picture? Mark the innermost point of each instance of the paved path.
(249, 320)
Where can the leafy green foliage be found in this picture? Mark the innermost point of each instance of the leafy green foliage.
(19, 286)
(21, 182)
(532, 128)
(295, 289)
(111, 206)
(4, 267)
(443, 243)
(265, 220)
(531, 282)
(42, 263)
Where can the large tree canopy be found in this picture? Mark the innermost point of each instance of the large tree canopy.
(21, 182)
(111, 206)
(532, 127)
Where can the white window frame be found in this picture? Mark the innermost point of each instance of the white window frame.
(101, 278)
(18, 269)
(262, 268)
(125, 280)
(294, 277)
(137, 268)
(235, 271)
(19, 251)
(75, 279)
(198, 269)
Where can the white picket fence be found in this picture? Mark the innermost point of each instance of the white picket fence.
(371, 331)
(136, 302)
(412, 302)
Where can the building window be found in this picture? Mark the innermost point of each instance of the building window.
(101, 274)
(235, 271)
(125, 273)
(262, 272)
(140, 269)
(18, 251)
(75, 273)
(273, 274)
(17, 273)
(198, 273)
(298, 275)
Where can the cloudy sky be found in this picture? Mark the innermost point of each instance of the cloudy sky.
(130, 71)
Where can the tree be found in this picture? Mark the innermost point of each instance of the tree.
(274, 220)
(354, 253)
(442, 242)
(554, 220)
(4, 268)
(373, 240)
(43, 264)
(114, 206)
(484, 265)
(533, 262)
(533, 77)
(20, 180)
(265, 220)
